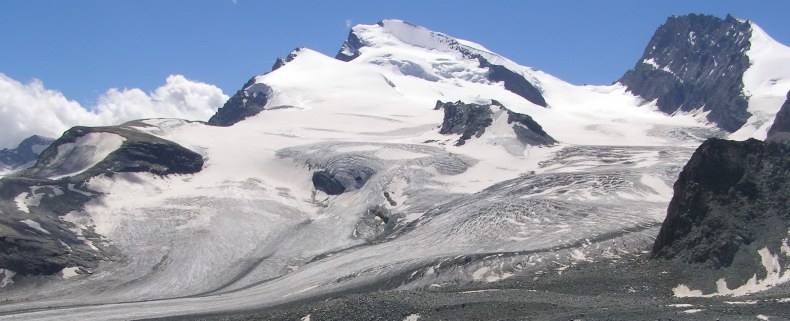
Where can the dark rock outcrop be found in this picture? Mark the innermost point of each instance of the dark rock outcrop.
(54, 245)
(350, 48)
(290, 57)
(513, 82)
(696, 61)
(527, 130)
(26, 153)
(465, 119)
(247, 102)
(32, 256)
(140, 152)
(730, 200)
(325, 182)
(342, 177)
(471, 120)
(781, 125)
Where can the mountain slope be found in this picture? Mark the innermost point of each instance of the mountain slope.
(326, 175)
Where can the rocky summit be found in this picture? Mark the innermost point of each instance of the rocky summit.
(696, 62)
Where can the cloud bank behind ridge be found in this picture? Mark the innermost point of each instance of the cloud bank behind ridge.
(31, 109)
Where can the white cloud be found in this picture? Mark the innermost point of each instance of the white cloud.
(30, 109)
(348, 23)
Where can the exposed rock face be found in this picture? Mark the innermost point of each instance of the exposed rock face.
(140, 152)
(696, 61)
(342, 177)
(781, 124)
(730, 201)
(471, 120)
(290, 57)
(513, 82)
(527, 130)
(247, 102)
(35, 238)
(350, 48)
(325, 182)
(27, 152)
(465, 119)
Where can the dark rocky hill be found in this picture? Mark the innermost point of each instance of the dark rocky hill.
(731, 200)
(781, 125)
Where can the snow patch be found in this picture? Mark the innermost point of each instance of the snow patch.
(412, 317)
(765, 83)
(478, 274)
(681, 305)
(20, 202)
(84, 153)
(8, 277)
(34, 225)
(69, 272)
(578, 255)
(651, 62)
(750, 302)
(82, 222)
(26, 200)
(775, 276)
(479, 291)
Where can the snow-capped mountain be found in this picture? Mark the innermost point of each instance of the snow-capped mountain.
(410, 160)
(728, 70)
(23, 155)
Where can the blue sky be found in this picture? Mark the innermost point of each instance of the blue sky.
(83, 48)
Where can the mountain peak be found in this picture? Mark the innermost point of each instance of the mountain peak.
(404, 45)
(696, 62)
(390, 32)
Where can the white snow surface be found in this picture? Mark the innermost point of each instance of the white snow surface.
(250, 230)
(412, 317)
(766, 83)
(85, 152)
(26, 200)
(34, 225)
(8, 277)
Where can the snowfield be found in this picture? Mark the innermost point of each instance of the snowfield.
(251, 230)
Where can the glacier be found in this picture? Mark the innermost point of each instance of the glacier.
(251, 230)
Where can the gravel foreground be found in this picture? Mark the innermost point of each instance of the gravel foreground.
(632, 289)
